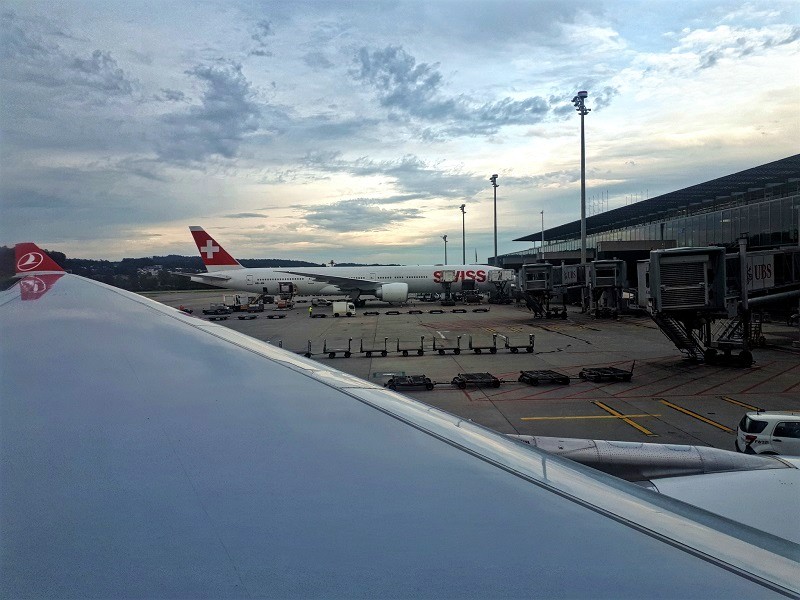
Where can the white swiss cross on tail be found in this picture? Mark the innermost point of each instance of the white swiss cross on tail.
(209, 249)
(213, 254)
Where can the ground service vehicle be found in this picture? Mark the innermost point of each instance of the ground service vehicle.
(769, 433)
(342, 308)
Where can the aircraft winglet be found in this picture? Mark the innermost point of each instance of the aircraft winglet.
(31, 260)
(214, 256)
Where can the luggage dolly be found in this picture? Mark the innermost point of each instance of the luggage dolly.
(514, 348)
(368, 351)
(419, 350)
(543, 376)
(606, 374)
(409, 381)
(331, 352)
(442, 349)
(218, 318)
(478, 349)
(462, 380)
(247, 317)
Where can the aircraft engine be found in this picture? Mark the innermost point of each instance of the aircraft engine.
(393, 292)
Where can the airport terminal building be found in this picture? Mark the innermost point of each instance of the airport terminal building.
(760, 204)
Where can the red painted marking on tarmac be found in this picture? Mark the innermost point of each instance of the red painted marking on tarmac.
(665, 390)
(537, 396)
(729, 380)
(771, 376)
(636, 387)
(791, 387)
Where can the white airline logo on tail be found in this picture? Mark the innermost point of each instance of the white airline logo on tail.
(29, 261)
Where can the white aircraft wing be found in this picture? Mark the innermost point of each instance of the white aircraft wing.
(343, 283)
(211, 278)
(148, 453)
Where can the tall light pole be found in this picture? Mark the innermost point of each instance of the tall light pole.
(493, 179)
(542, 236)
(444, 237)
(463, 237)
(577, 101)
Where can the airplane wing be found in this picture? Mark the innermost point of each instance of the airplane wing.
(148, 453)
(343, 283)
(210, 278)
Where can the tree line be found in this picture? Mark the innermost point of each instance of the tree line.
(140, 274)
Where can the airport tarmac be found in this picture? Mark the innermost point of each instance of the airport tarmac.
(668, 399)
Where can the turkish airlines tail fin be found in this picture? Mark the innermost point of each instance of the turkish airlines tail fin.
(31, 260)
(214, 256)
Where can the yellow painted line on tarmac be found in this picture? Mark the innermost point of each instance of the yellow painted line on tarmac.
(588, 417)
(625, 418)
(737, 403)
(696, 416)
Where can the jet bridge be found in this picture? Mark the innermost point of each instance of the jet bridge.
(535, 282)
(569, 283)
(687, 294)
(699, 301)
(607, 280)
(501, 280)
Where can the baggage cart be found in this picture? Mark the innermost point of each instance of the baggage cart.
(368, 352)
(418, 350)
(477, 349)
(543, 376)
(514, 348)
(409, 381)
(462, 380)
(442, 348)
(598, 374)
(332, 352)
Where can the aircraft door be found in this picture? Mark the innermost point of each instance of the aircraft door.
(249, 280)
(786, 438)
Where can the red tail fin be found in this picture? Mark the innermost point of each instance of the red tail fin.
(214, 256)
(32, 260)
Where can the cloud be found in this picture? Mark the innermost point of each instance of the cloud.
(414, 91)
(245, 215)
(217, 126)
(317, 61)
(168, 95)
(726, 42)
(361, 214)
(413, 177)
(28, 58)
(263, 31)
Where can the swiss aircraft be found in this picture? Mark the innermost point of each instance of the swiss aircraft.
(388, 283)
(146, 453)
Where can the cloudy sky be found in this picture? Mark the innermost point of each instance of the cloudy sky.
(353, 131)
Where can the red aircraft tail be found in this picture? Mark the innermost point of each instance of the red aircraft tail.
(213, 254)
(31, 260)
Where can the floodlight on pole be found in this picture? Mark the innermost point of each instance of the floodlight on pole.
(542, 249)
(463, 236)
(578, 102)
(493, 179)
(444, 237)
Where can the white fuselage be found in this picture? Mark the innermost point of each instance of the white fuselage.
(310, 281)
